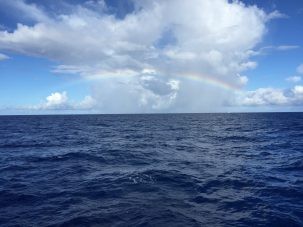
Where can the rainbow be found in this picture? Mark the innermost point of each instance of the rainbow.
(210, 80)
(202, 78)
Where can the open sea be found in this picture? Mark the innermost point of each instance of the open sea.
(152, 170)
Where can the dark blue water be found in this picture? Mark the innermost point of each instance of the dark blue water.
(152, 170)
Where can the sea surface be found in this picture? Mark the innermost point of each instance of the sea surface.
(152, 170)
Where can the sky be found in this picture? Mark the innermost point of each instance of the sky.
(150, 56)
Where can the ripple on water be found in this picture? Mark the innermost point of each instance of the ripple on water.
(152, 170)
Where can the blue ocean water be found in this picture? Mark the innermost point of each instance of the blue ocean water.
(152, 170)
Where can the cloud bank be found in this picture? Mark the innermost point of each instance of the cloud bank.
(172, 56)
(271, 97)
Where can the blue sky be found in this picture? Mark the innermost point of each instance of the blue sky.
(149, 56)
(276, 65)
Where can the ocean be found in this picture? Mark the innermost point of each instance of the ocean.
(152, 170)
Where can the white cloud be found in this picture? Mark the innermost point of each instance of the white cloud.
(276, 15)
(243, 79)
(116, 51)
(3, 57)
(268, 49)
(248, 65)
(56, 99)
(264, 96)
(300, 69)
(87, 103)
(60, 101)
(298, 90)
(294, 79)
(287, 47)
(146, 93)
(271, 97)
(24, 10)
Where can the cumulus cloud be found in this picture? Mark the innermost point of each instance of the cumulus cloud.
(298, 90)
(3, 57)
(60, 101)
(294, 79)
(271, 97)
(148, 93)
(173, 39)
(87, 103)
(56, 100)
